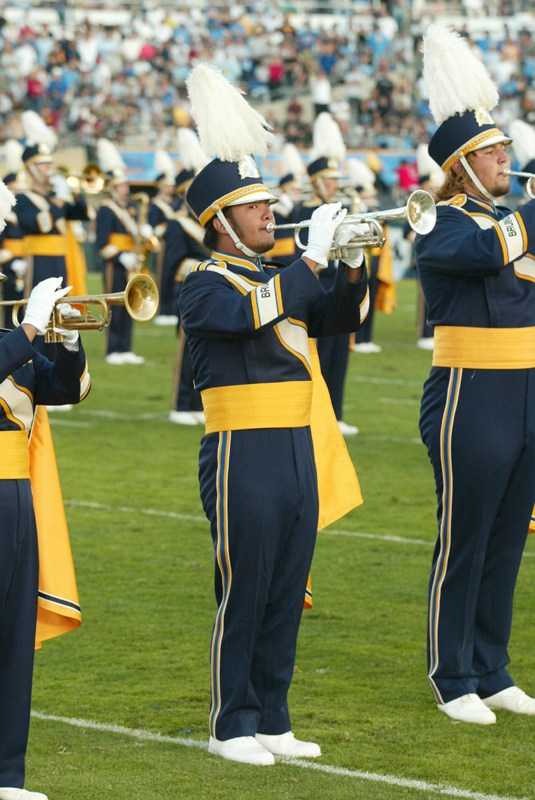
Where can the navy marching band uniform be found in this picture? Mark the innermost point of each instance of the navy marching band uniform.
(27, 379)
(247, 327)
(116, 233)
(477, 420)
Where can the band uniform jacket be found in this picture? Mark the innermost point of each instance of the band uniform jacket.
(43, 225)
(11, 247)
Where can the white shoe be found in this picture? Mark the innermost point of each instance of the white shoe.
(511, 699)
(426, 343)
(7, 793)
(243, 748)
(366, 347)
(131, 358)
(64, 407)
(115, 358)
(468, 708)
(166, 319)
(287, 745)
(347, 430)
(183, 418)
(199, 416)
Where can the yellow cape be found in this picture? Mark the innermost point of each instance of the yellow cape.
(58, 609)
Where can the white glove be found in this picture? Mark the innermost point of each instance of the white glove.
(345, 234)
(129, 260)
(323, 223)
(60, 187)
(18, 265)
(146, 230)
(41, 302)
(70, 338)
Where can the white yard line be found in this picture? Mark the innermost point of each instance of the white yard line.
(385, 381)
(153, 512)
(374, 777)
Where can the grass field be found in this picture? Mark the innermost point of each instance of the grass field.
(144, 565)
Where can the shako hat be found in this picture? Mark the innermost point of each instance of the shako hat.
(523, 136)
(165, 168)
(111, 162)
(233, 132)
(461, 95)
(192, 158)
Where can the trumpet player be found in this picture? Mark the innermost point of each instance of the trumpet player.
(248, 328)
(162, 210)
(477, 417)
(27, 379)
(117, 234)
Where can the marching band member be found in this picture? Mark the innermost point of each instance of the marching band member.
(247, 326)
(28, 614)
(44, 208)
(293, 172)
(478, 408)
(117, 232)
(523, 137)
(161, 211)
(12, 260)
(379, 259)
(324, 171)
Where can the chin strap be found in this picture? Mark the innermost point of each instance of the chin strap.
(232, 233)
(475, 179)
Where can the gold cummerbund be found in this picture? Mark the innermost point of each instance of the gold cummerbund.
(14, 456)
(45, 245)
(484, 348)
(15, 246)
(122, 240)
(257, 405)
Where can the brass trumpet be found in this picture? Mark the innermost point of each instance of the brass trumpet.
(140, 298)
(530, 183)
(420, 212)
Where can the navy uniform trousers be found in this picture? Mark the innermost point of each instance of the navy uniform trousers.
(478, 423)
(479, 428)
(263, 481)
(19, 577)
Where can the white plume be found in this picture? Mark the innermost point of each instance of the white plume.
(455, 80)
(36, 131)
(327, 139)
(109, 157)
(190, 152)
(7, 201)
(164, 164)
(523, 136)
(13, 151)
(291, 162)
(359, 173)
(228, 127)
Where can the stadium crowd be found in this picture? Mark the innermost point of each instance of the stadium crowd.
(94, 80)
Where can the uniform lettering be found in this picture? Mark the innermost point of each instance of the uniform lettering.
(264, 292)
(510, 226)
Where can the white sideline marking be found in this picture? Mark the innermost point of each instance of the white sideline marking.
(158, 415)
(379, 438)
(153, 512)
(375, 777)
(69, 423)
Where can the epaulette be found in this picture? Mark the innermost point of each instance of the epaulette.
(458, 201)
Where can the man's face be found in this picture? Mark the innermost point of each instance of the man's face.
(168, 190)
(489, 164)
(122, 190)
(331, 187)
(249, 221)
(44, 169)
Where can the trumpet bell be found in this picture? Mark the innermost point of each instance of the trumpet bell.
(141, 298)
(421, 212)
